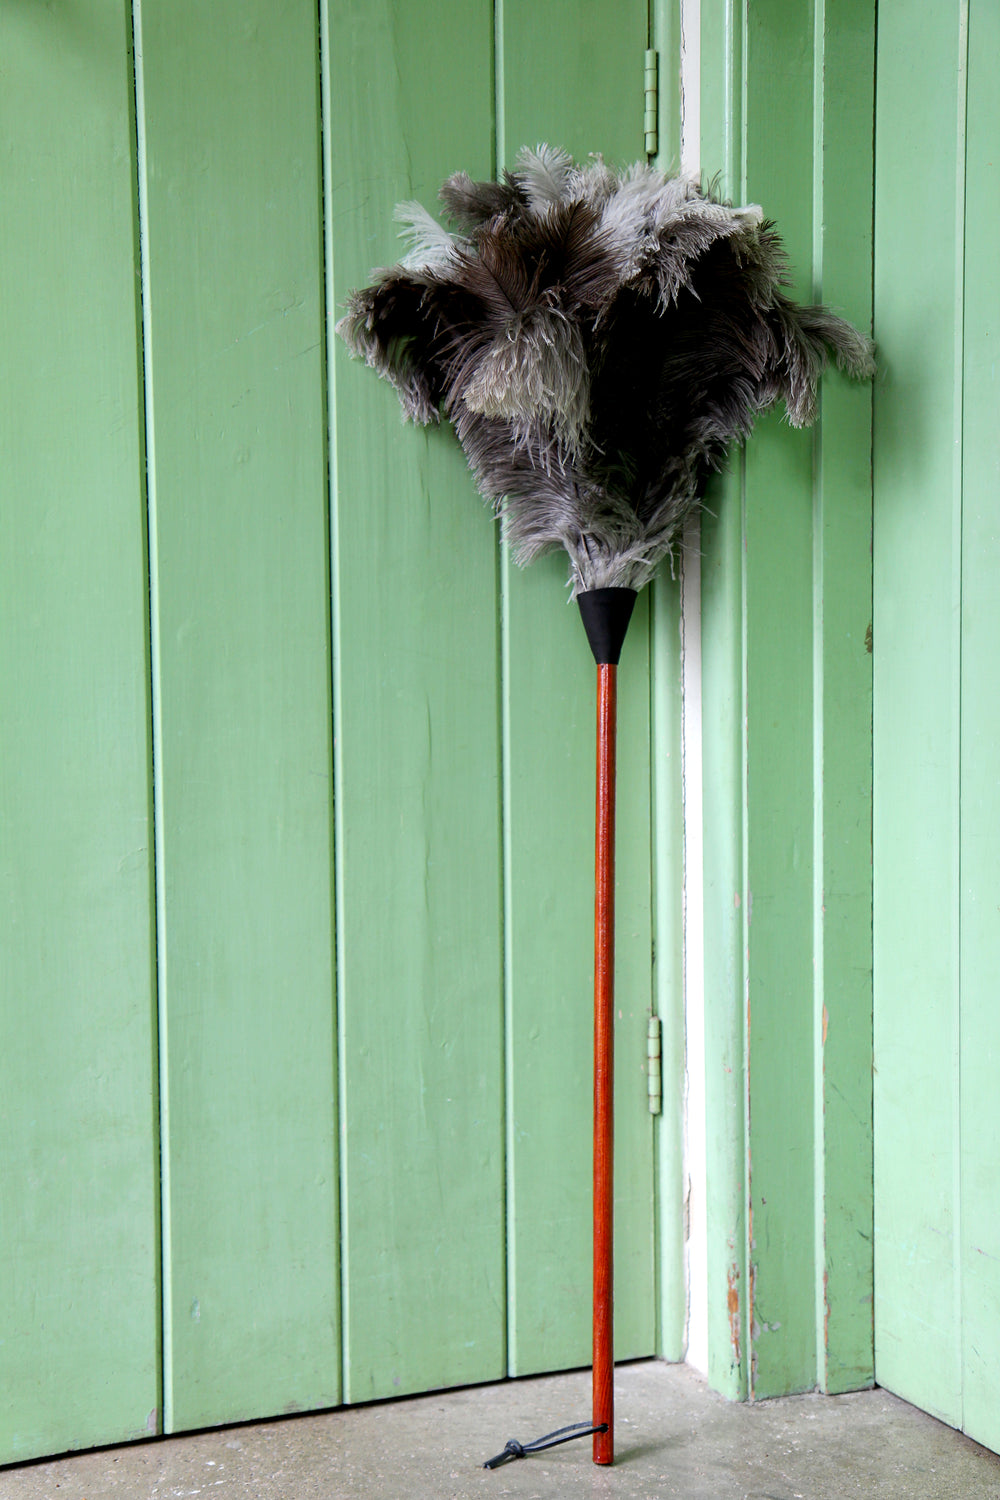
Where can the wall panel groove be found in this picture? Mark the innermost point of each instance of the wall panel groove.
(148, 430)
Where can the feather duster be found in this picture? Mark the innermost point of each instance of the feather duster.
(598, 339)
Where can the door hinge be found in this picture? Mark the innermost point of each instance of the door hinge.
(652, 102)
(654, 1065)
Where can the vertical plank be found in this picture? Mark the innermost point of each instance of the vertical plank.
(241, 677)
(844, 70)
(78, 1252)
(980, 794)
(418, 773)
(725, 973)
(668, 906)
(566, 75)
(917, 453)
(779, 697)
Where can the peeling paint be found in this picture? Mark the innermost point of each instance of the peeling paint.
(758, 1328)
(751, 1314)
(733, 1304)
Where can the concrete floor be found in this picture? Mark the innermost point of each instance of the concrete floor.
(675, 1438)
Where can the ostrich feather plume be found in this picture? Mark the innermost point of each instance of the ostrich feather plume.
(598, 340)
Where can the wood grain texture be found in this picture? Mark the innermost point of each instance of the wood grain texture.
(78, 1249)
(567, 74)
(418, 757)
(604, 1068)
(242, 695)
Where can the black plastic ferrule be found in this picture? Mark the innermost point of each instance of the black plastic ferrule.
(606, 614)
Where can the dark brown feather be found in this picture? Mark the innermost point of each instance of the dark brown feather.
(598, 340)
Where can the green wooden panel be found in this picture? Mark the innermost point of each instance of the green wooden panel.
(980, 865)
(779, 909)
(725, 937)
(779, 706)
(571, 74)
(842, 1020)
(668, 970)
(235, 350)
(78, 1217)
(936, 631)
(918, 592)
(786, 578)
(418, 756)
(721, 81)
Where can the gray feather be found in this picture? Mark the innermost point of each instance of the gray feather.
(544, 175)
(432, 247)
(598, 339)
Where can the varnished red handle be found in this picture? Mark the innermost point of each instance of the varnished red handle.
(604, 1065)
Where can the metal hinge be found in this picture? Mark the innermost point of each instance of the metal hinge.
(652, 102)
(654, 1065)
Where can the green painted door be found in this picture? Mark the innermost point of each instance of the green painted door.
(297, 772)
(937, 728)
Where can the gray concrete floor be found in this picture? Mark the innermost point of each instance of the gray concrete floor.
(674, 1437)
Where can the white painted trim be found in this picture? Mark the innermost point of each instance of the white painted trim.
(691, 86)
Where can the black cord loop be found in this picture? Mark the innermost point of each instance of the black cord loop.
(514, 1449)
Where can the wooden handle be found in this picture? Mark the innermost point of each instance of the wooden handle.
(604, 1066)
